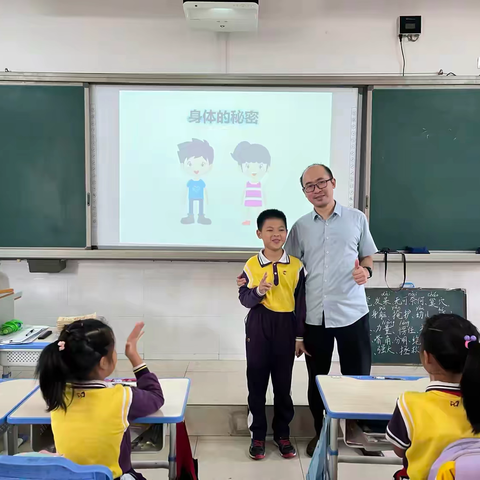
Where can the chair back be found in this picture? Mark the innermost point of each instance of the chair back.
(23, 467)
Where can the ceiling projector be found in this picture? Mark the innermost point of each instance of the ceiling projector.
(221, 16)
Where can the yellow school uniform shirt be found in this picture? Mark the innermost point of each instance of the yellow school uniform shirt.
(91, 431)
(424, 424)
(285, 275)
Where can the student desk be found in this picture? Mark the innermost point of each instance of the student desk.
(360, 398)
(175, 391)
(12, 394)
(23, 355)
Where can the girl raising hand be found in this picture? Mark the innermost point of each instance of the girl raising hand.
(90, 417)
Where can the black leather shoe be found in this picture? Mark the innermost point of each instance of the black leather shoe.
(312, 446)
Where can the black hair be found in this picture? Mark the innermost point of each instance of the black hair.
(443, 336)
(86, 342)
(327, 169)
(268, 214)
(196, 149)
(246, 152)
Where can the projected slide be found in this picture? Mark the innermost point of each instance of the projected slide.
(194, 168)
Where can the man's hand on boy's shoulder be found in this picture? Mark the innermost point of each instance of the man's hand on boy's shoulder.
(241, 281)
(300, 349)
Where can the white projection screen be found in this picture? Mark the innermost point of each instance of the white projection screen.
(191, 168)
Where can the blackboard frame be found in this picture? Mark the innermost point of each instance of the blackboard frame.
(364, 83)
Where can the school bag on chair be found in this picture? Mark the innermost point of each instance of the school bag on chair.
(459, 461)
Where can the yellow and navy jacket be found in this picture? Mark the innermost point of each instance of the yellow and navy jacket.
(94, 428)
(288, 293)
(424, 424)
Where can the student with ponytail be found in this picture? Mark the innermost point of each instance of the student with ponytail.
(424, 424)
(90, 417)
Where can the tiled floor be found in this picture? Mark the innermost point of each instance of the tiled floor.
(226, 458)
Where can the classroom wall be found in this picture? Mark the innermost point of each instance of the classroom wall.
(191, 309)
(295, 36)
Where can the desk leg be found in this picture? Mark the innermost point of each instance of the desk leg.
(333, 449)
(12, 440)
(172, 457)
(6, 372)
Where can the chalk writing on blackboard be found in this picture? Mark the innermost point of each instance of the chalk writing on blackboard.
(397, 319)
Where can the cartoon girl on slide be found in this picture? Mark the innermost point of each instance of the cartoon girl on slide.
(254, 161)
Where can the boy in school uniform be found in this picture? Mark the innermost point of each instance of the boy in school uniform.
(275, 293)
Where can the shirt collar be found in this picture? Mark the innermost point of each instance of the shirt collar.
(264, 261)
(92, 384)
(337, 210)
(443, 386)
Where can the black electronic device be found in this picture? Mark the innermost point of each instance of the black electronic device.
(45, 335)
(411, 25)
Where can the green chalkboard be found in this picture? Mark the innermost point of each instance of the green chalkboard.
(396, 319)
(42, 166)
(426, 168)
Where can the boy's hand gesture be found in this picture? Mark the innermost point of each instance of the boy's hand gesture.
(264, 286)
(300, 349)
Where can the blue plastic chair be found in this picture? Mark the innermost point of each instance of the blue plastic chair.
(52, 468)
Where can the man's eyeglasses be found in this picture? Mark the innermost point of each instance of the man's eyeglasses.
(321, 184)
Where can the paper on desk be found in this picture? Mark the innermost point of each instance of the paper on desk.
(28, 334)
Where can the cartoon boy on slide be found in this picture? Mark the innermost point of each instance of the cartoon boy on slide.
(197, 159)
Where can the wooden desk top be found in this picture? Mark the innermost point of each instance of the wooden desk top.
(175, 391)
(372, 399)
(12, 393)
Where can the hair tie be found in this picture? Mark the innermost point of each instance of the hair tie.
(61, 346)
(469, 339)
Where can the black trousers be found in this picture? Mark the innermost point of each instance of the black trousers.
(354, 349)
(270, 345)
